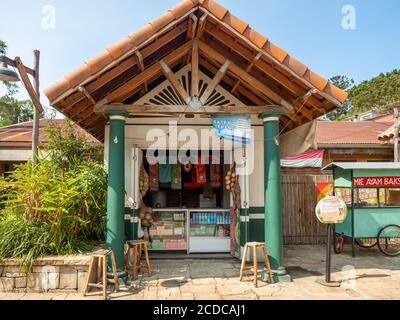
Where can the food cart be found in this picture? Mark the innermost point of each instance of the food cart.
(371, 191)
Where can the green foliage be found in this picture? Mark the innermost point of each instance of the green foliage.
(344, 83)
(375, 93)
(14, 111)
(3, 47)
(67, 149)
(57, 206)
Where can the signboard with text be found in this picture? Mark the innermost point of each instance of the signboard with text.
(366, 182)
(331, 210)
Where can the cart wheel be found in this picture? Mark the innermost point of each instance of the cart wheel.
(338, 243)
(366, 242)
(389, 240)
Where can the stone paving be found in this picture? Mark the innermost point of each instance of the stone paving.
(368, 276)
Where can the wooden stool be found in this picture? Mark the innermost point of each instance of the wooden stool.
(136, 246)
(254, 268)
(99, 262)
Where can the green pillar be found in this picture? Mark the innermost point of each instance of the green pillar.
(116, 189)
(272, 195)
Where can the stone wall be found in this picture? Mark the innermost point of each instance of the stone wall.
(49, 274)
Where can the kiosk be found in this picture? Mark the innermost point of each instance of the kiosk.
(371, 191)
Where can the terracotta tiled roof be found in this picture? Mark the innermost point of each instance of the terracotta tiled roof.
(21, 133)
(386, 137)
(384, 118)
(290, 69)
(348, 132)
(116, 51)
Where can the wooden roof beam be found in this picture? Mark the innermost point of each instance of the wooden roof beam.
(195, 69)
(249, 95)
(242, 90)
(260, 64)
(274, 60)
(215, 82)
(180, 90)
(244, 76)
(202, 25)
(181, 109)
(174, 25)
(258, 56)
(192, 27)
(87, 94)
(150, 72)
(123, 66)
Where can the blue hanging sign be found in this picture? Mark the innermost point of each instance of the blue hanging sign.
(233, 127)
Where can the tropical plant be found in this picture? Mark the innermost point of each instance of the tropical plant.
(56, 206)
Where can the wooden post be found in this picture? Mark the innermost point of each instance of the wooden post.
(36, 114)
(396, 134)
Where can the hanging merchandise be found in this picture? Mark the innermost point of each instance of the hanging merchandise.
(199, 178)
(144, 182)
(231, 179)
(164, 172)
(215, 175)
(176, 175)
(232, 185)
(146, 216)
(153, 175)
(187, 167)
(201, 172)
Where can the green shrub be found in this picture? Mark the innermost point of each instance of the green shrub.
(55, 207)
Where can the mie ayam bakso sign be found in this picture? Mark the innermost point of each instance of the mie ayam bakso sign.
(376, 182)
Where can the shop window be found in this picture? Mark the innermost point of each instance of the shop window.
(366, 197)
(390, 198)
(345, 194)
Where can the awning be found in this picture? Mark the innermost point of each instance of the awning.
(312, 158)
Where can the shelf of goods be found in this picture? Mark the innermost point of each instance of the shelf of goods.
(169, 231)
(209, 231)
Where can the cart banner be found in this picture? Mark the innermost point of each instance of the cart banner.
(312, 158)
(393, 182)
(324, 189)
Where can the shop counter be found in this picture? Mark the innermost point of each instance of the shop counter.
(191, 230)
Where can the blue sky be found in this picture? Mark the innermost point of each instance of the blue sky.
(310, 30)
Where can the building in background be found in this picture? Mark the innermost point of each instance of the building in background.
(16, 142)
(303, 179)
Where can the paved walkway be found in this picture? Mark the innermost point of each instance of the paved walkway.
(368, 276)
